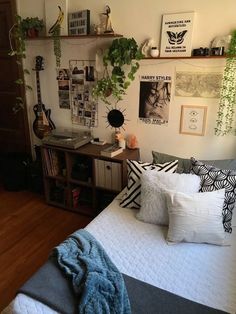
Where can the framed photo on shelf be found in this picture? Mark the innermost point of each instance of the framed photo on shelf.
(79, 23)
(193, 120)
(176, 35)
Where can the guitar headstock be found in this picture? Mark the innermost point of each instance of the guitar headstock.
(39, 63)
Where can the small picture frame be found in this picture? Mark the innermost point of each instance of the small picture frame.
(193, 120)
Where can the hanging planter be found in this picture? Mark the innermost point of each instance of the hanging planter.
(121, 60)
(225, 115)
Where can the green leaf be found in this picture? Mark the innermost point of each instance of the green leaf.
(26, 71)
(19, 81)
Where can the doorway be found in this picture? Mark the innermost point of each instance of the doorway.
(14, 128)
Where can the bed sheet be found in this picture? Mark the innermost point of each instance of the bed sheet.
(200, 272)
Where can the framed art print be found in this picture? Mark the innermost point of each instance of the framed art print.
(193, 120)
(176, 35)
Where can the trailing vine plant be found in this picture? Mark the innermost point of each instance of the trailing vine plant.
(55, 31)
(17, 38)
(121, 59)
(225, 115)
(57, 44)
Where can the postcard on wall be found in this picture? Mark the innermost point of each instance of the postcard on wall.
(193, 120)
(63, 79)
(198, 84)
(56, 9)
(154, 99)
(176, 35)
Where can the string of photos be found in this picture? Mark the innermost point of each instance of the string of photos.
(84, 108)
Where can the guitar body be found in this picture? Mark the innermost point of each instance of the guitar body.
(42, 125)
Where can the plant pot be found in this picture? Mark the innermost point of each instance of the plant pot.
(108, 92)
(32, 33)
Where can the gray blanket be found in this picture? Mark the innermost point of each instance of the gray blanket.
(48, 285)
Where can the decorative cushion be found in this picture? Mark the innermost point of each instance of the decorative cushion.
(185, 164)
(196, 217)
(153, 202)
(214, 179)
(131, 197)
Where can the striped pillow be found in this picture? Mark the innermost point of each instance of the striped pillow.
(131, 197)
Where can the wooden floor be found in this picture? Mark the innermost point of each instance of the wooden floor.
(29, 229)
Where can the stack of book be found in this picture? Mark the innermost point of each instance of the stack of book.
(111, 151)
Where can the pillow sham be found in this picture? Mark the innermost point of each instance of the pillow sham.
(184, 165)
(196, 217)
(131, 197)
(153, 185)
(214, 179)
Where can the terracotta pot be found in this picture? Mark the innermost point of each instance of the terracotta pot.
(108, 92)
(32, 33)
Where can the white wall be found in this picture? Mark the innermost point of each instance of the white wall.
(141, 20)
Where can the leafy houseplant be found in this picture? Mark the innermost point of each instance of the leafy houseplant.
(225, 115)
(31, 26)
(121, 59)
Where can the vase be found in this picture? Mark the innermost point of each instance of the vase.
(154, 52)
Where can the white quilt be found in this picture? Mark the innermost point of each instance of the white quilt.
(200, 272)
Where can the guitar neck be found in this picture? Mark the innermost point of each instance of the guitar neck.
(38, 92)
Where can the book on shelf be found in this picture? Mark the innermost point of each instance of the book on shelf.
(111, 151)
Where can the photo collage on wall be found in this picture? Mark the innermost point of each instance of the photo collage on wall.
(84, 108)
(63, 78)
(154, 99)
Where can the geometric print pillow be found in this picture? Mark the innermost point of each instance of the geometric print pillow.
(131, 197)
(213, 179)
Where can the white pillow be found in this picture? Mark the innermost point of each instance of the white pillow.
(153, 202)
(196, 217)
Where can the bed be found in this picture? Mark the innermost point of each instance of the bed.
(202, 273)
(199, 272)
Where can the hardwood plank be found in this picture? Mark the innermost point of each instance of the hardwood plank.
(29, 229)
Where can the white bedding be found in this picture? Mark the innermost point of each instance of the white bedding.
(200, 272)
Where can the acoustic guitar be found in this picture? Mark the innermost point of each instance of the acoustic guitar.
(42, 124)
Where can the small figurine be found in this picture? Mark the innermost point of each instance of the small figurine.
(106, 23)
(146, 47)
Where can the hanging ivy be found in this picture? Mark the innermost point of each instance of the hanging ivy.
(225, 115)
(57, 44)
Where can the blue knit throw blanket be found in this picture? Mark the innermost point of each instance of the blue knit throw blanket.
(95, 279)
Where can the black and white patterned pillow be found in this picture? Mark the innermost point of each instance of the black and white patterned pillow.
(213, 179)
(131, 197)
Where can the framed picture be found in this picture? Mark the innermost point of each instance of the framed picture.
(193, 120)
(79, 23)
(176, 35)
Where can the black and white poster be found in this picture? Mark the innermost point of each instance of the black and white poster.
(154, 99)
(176, 35)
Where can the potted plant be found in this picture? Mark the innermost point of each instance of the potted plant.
(31, 26)
(121, 59)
